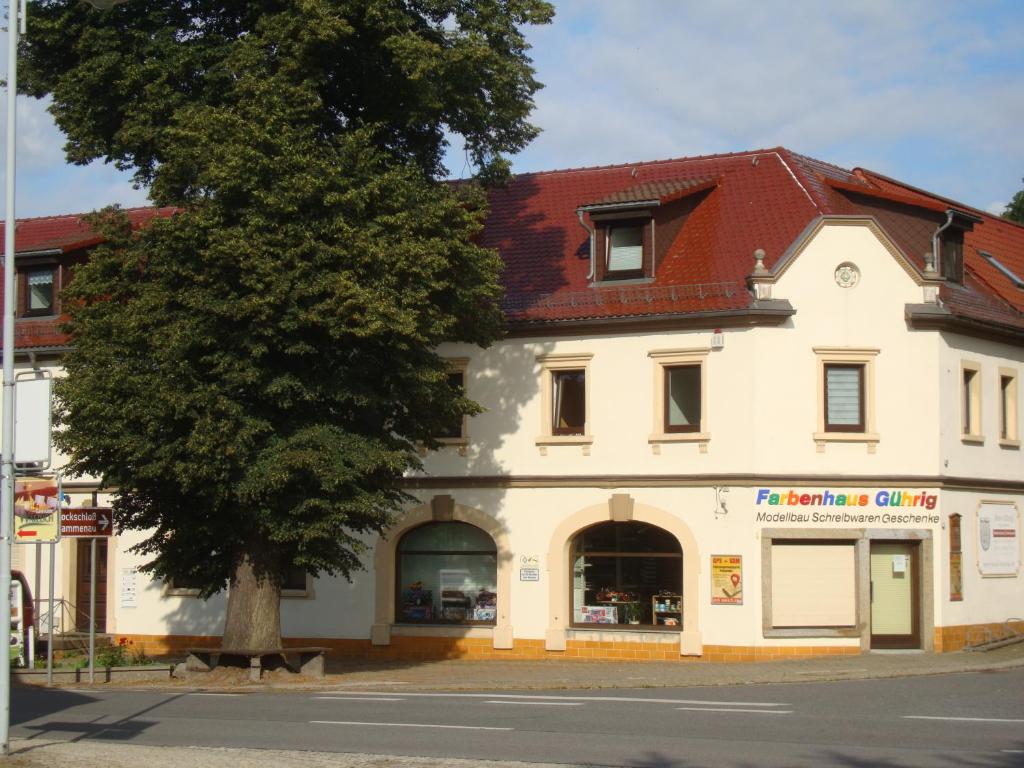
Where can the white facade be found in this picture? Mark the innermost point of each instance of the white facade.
(761, 433)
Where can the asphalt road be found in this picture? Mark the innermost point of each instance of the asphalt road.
(949, 720)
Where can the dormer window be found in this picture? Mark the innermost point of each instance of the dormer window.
(625, 257)
(37, 288)
(948, 244)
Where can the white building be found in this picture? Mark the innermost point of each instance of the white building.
(742, 411)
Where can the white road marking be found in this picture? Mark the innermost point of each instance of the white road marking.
(965, 719)
(213, 694)
(751, 711)
(539, 703)
(413, 725)
(357, 698)
(539, 697)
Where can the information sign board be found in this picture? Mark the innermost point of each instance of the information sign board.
(87, 522)
(35, 510)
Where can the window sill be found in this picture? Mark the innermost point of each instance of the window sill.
(680, 437)
(1010, 444)
(565, 440)
(442, 630)
(49, 316)
(846, 437)
(972, 439)
(460, 444)
(630, 633)
(811, 632)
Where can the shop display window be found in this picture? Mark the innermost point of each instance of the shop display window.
(447, 574)
(627, 575)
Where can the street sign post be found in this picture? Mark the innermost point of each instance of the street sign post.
(89, 523)
(86, 522)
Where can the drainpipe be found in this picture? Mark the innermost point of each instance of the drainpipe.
(579, 212)
(935, 243)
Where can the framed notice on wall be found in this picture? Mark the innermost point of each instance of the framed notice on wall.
(726, 580)
(998, 539)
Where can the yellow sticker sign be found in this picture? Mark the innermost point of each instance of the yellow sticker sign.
(36, 510)
(726, 580)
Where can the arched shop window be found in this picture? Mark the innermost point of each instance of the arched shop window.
(447, 574)
(627, 574)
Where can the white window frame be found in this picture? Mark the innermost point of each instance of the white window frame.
(971, 392)
(672, 358)
(864, 357)
(549, 364)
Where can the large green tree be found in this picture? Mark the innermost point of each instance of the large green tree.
(255, 373)
(1015, 208)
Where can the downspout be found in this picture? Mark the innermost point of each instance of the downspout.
(580, 212)
(935, 241)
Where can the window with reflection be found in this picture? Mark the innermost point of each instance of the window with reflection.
(627, 575)
(447, 573)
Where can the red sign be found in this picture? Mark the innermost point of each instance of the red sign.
(87, 522)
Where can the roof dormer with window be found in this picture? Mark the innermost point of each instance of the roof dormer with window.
(632, 230)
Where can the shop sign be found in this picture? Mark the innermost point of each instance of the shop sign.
(998, 540)
(529, 568)
(886, 506)
(87, 522)
(36, 510)
(726, 580)
(129, 588)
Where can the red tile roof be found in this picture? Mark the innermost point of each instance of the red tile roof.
(59, 235)
(745, 201)
(734, 204)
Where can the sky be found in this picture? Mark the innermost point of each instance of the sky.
(930, 92)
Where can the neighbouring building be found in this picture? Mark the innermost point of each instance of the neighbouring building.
(748, 406)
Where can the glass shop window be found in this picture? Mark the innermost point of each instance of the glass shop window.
(447, 574)
(627, 574)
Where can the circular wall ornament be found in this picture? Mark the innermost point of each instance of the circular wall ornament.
(847, 275)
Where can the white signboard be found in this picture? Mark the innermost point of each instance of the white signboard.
(32, 421)
(998, 540)
(129, 588)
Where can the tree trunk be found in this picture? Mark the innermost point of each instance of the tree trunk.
(254, 611)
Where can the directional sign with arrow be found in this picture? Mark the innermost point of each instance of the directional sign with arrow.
(35, 510)
(87, 522)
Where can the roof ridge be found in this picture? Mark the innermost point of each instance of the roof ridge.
(80, 214)
(934, 196)
(649, 163)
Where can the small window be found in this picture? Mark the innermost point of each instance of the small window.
(682, 398)
(295, 582)
(457, 383)
(39, 292)
(970, 405)
(569, 402)
(1008, 434)
(1009, 273)
(951, 249)
(844, 397)
(564, 400)
(625, 251)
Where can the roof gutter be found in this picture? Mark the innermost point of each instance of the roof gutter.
(597, 207)
(46, 252)
(580, 212)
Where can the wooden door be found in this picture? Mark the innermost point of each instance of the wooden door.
(82, 585)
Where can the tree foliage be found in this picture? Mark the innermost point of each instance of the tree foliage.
(1015, 208)
(254, 373)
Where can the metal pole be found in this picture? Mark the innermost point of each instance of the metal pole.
(92, 610)
(49, 642)
(7, 431)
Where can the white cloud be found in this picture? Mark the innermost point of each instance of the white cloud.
(929, 90)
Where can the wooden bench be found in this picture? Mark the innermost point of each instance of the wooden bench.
(306, 661)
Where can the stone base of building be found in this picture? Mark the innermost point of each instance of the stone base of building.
(434, 648)
(956, 638)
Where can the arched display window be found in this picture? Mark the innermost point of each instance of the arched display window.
(628, 575)
(447, 573)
